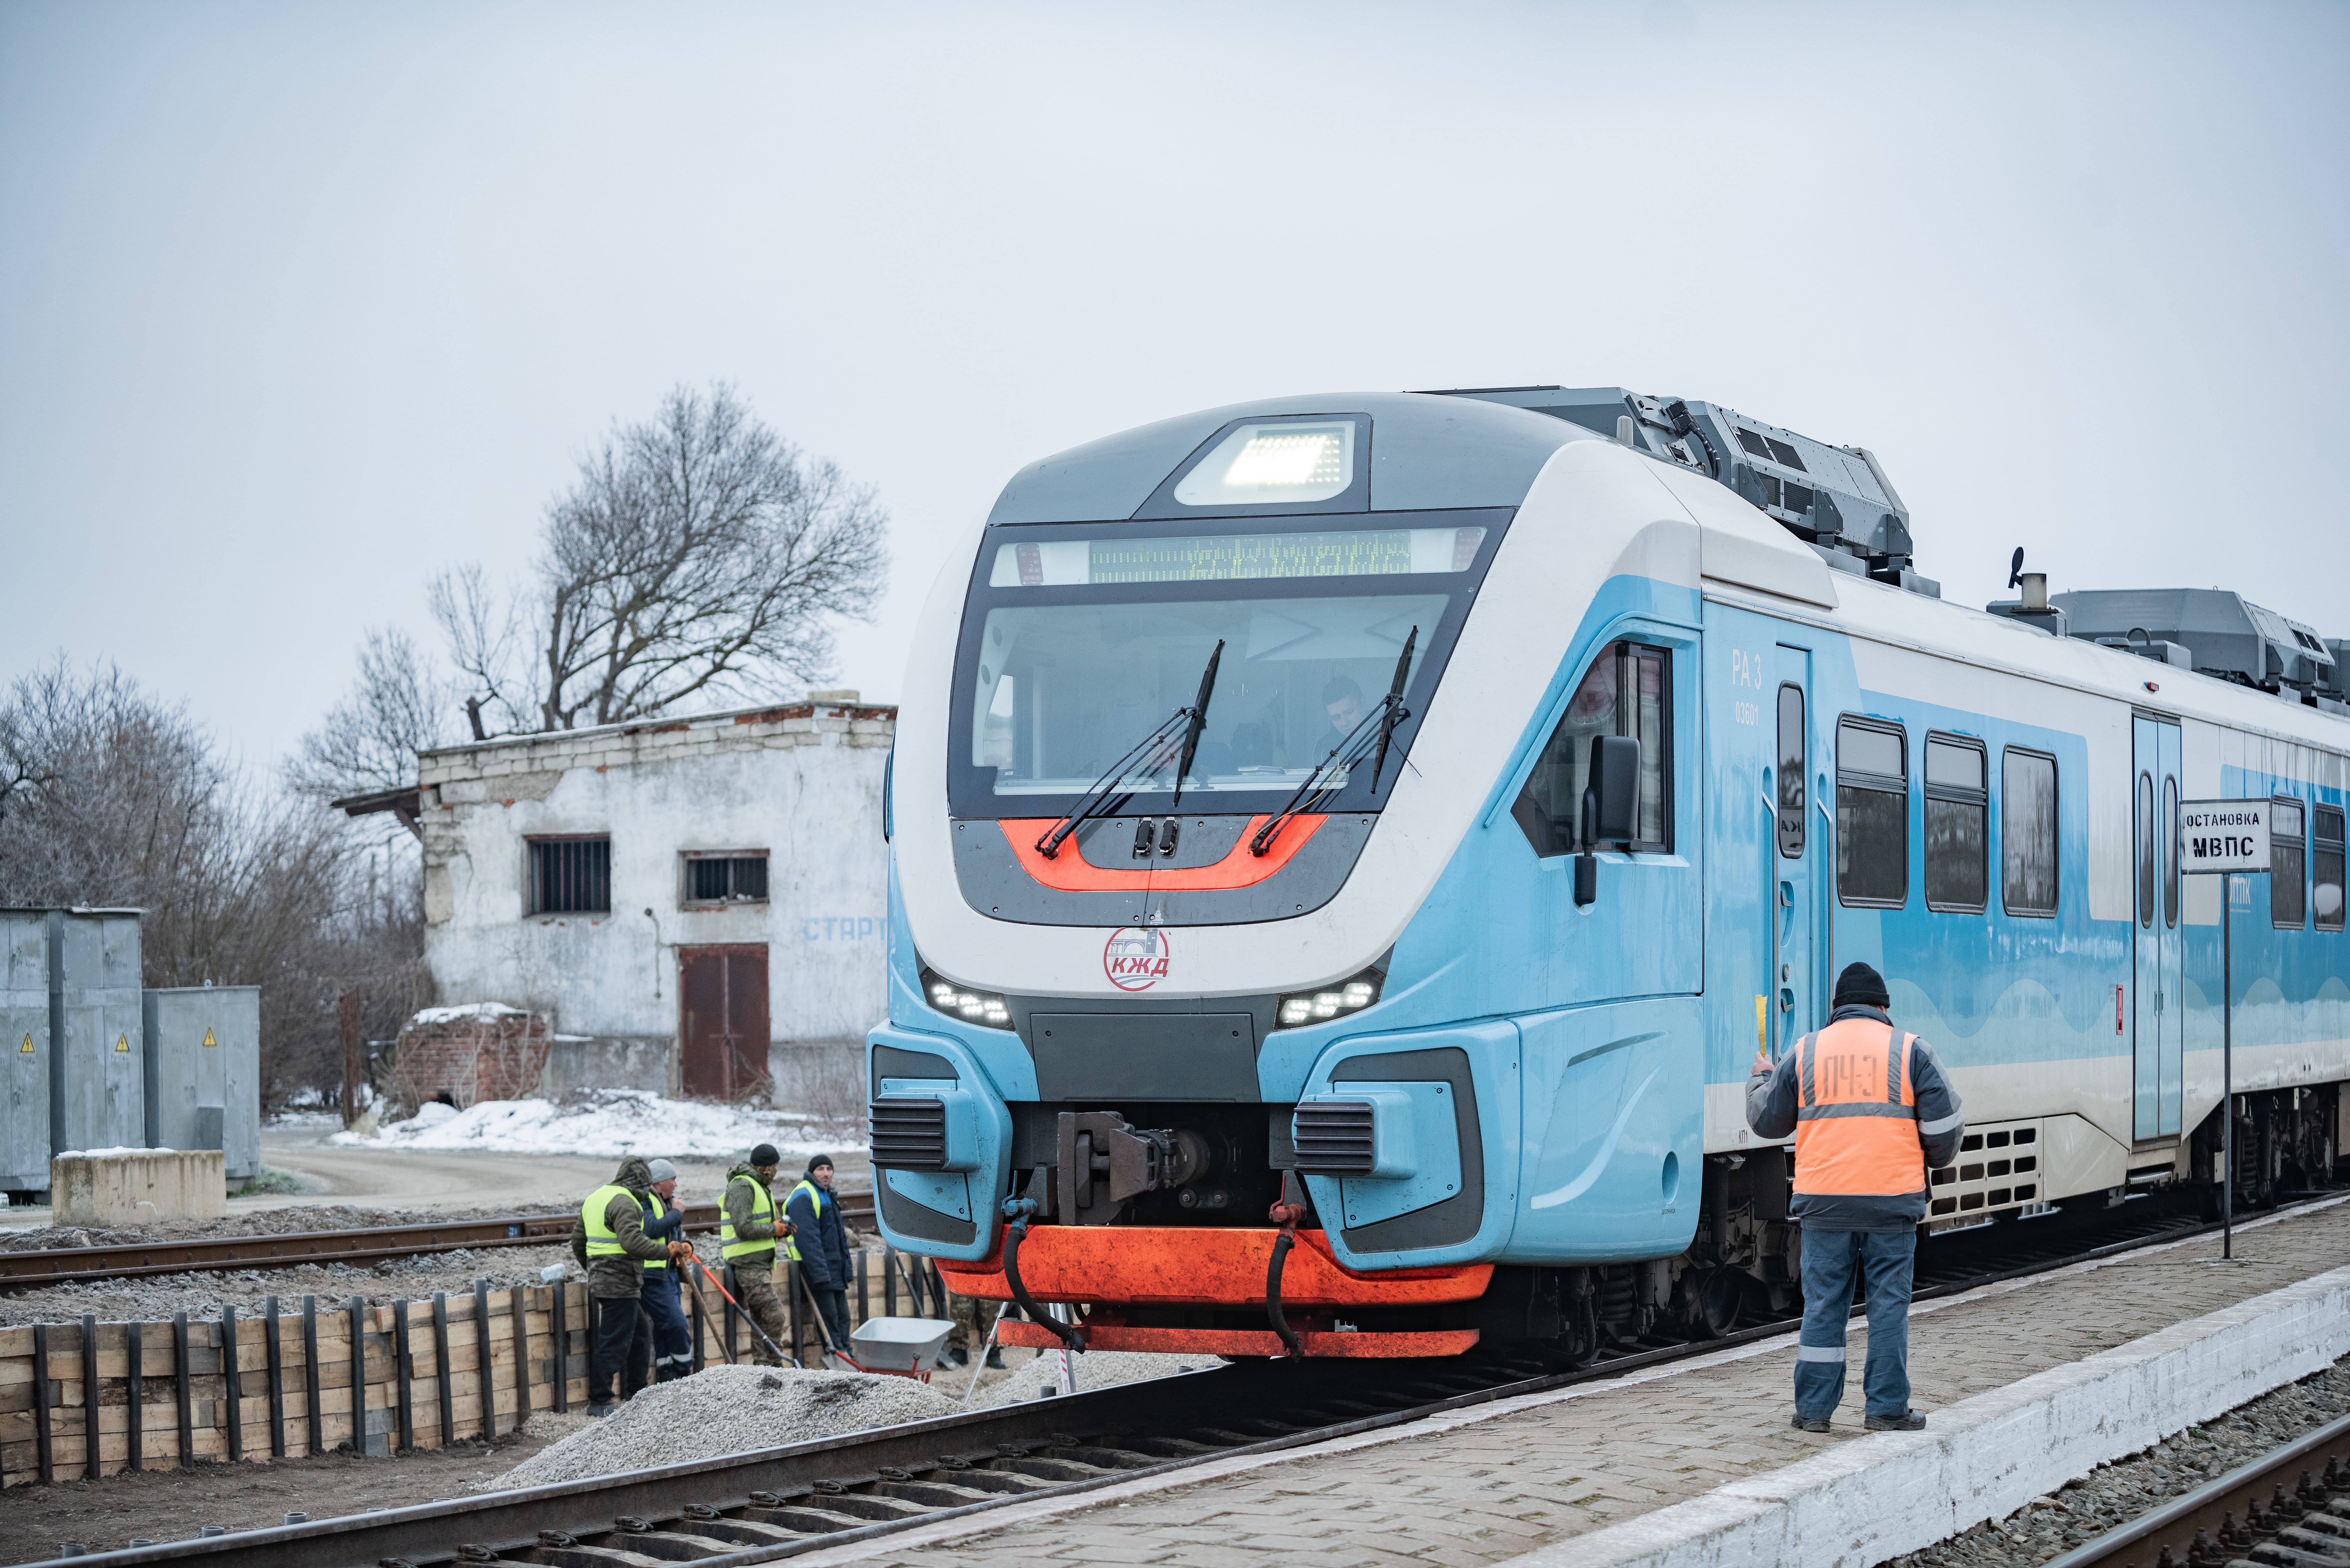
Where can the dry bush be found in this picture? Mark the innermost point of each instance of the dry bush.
(109, 795)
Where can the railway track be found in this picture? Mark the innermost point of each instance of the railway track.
(778, 1503)
(35, 1267)
(2290, 1506)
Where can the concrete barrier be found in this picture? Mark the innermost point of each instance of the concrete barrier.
(107, 1186)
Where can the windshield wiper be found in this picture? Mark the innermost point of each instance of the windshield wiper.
(1394, 705)
(1151, 753)
(1199, 721)
(1328, 776)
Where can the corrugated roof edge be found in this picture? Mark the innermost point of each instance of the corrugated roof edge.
(766, 713)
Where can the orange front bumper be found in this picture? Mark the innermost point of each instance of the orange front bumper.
(1199, 1265)
(1244, 1341)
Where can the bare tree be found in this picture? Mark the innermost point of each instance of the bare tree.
(123, 799)
(696, 554)
(400, 705)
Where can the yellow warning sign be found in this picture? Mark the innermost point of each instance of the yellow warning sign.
(122, 1042)
(208, 1038)
(27, 1048)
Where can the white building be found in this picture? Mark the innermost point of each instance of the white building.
(697, 903)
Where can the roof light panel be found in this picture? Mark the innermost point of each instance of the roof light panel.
(1289, 461)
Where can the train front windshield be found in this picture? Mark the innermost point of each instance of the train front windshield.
(1078, 642)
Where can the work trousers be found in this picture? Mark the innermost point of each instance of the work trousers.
(1885, 1260)
(620, 1340)
(672, 1339)
(972, 1319)
(832, 1301)
(755, 1287)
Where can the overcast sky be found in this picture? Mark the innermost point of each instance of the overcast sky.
(300, 303)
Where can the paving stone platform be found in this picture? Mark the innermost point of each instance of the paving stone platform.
(1486, 1485)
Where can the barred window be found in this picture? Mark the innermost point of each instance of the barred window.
(1957, 824)
(571, 876)
(2027, 832)
(2326, 861)
(734, 877)
(1872, 813)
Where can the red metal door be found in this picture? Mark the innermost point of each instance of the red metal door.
(722, 1020)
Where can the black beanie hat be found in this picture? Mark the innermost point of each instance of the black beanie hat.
(823, 1160)
(1861, 986)
(766, 1154)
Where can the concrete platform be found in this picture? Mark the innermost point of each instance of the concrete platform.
(2032, 1382)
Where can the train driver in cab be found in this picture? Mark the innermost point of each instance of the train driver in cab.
(1871, 1111)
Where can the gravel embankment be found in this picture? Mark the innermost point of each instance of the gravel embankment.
(247, 1223)
(726, 1410)
(155, 1297)
(2113, 1494)
(1095, 1369)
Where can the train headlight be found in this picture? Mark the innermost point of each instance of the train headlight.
(984, 1008)
(1329, 1001)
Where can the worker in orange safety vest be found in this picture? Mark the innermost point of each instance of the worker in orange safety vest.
(1871, 1110)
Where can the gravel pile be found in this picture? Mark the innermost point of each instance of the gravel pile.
(155, 1297)
(1095, 1369)
(2113, 1494)
(726, 1410)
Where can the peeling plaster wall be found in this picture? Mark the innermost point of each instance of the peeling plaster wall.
(802, 781)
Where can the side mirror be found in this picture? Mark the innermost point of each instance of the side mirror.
(1615, 786)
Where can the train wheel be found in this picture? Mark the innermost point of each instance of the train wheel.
(1720, 1300)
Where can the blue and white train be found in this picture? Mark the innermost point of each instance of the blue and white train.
(1346, 853)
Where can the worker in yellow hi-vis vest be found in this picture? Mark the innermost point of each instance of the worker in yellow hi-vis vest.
(610, 1240)
(748, 1230)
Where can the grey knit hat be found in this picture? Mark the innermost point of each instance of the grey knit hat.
(663, 1171)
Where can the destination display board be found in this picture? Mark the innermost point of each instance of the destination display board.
(1235, 557)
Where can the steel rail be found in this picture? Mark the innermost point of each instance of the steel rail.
(2228, 1518)
(778, 1503)
(30, 1268)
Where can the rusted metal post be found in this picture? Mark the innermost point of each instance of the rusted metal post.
(315, 1433)
(186, 1397)
(520, 1298)
(481, 1359)
(89, 1393)
(350, 1056)
(231, 1392)
(45, 1458)
(276, 1381)
(135, 1396)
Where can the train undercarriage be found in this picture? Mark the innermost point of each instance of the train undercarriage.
(1161, 1226)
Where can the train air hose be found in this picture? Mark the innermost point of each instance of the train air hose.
(1017, 1211)
(1286, 1214)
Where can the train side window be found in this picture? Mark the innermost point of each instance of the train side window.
(2027, 832)
(2326, 858)
(2288, 900)
(1957, 824)
(2169, 854)
(1872, 813)
(1792, 764)
(1627, 691)
(2142, 820)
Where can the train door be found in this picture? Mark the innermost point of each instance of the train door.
(1797, 992)
(2157, 1035)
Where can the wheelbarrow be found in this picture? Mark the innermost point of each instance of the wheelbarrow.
(901, 1346)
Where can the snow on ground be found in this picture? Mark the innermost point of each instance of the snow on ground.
(610, 1122)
